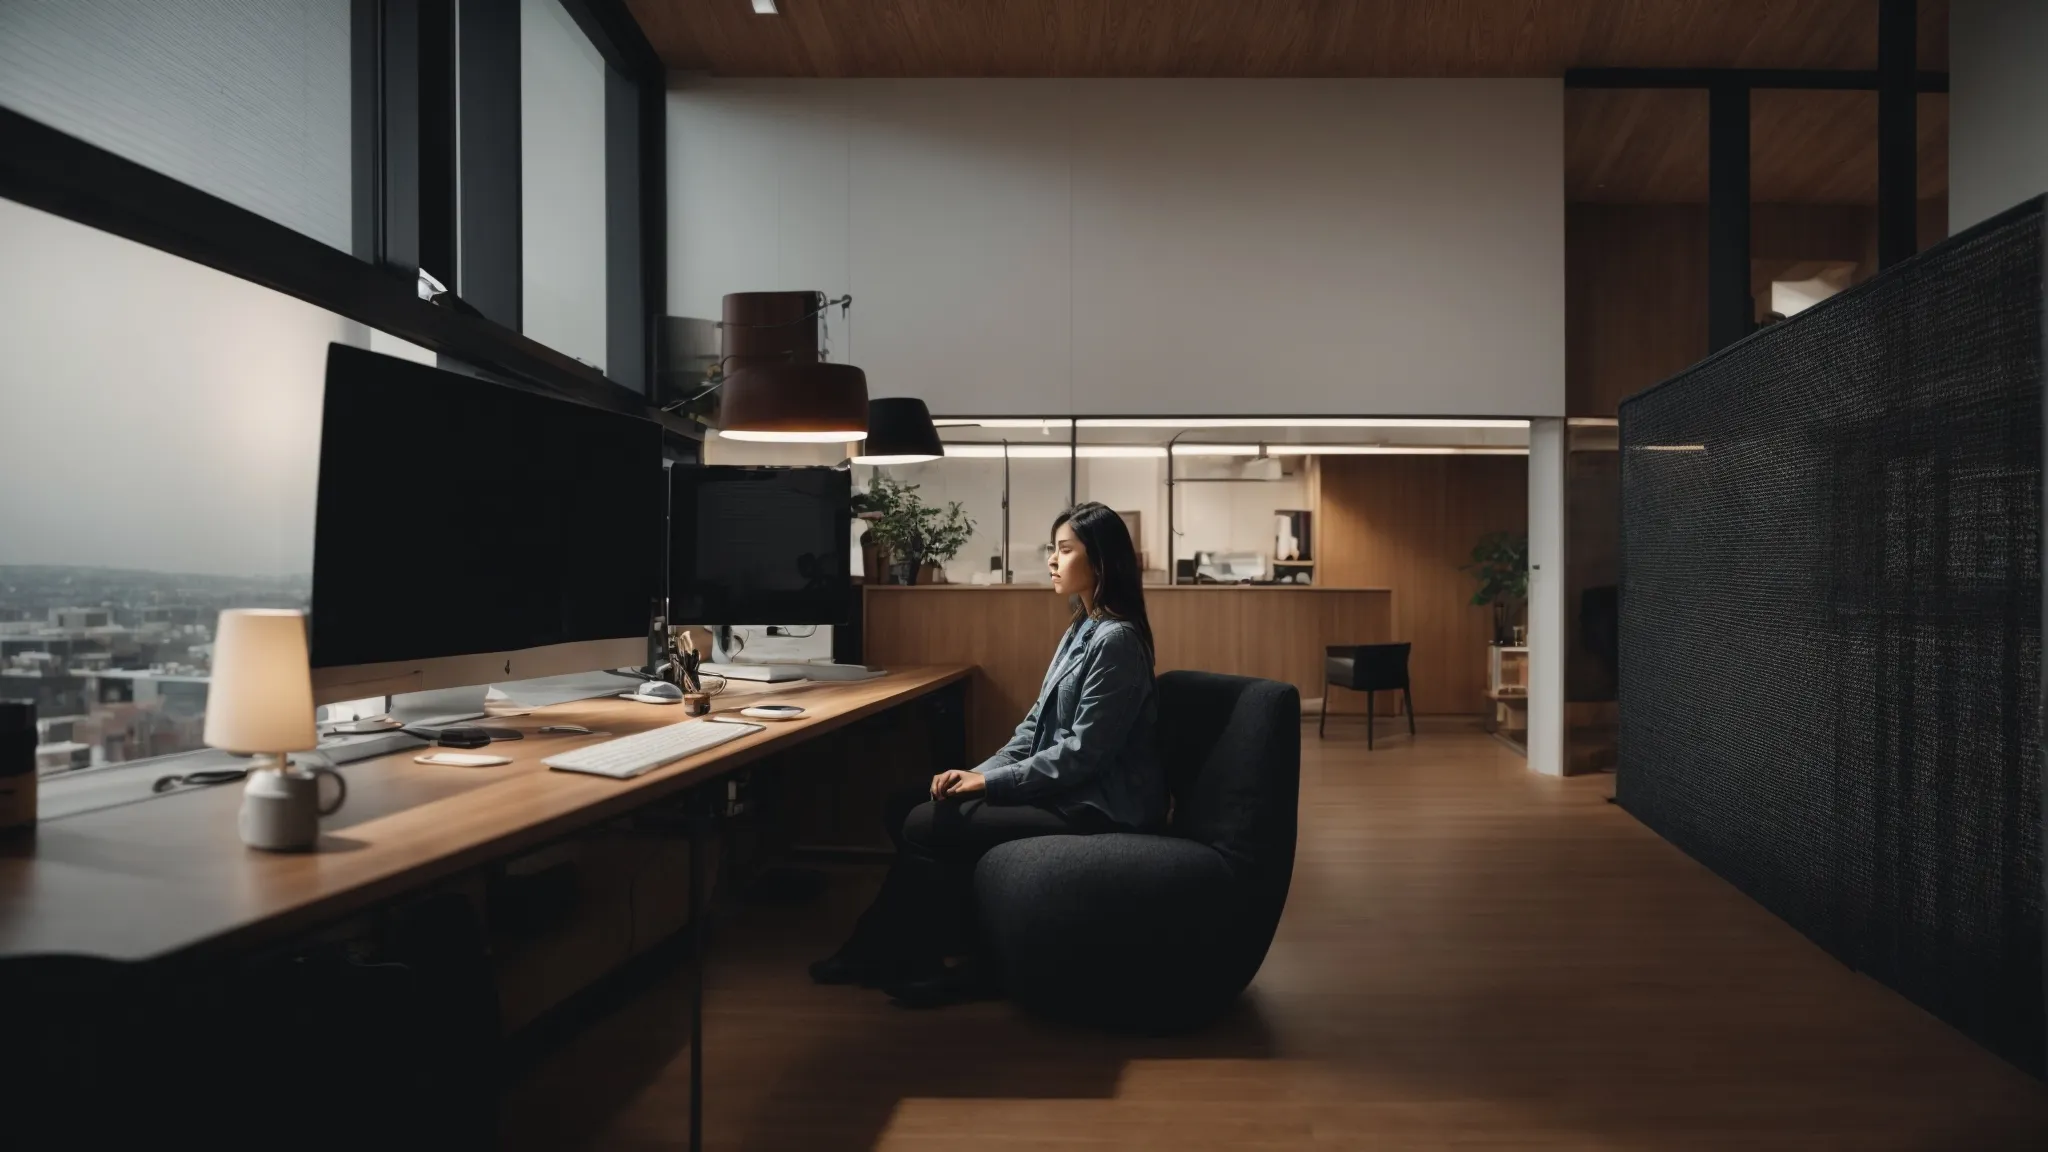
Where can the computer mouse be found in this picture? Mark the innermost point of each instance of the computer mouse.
(463, 736)
(661, 690)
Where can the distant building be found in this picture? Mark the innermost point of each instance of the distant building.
(81, 618)
(63, 756)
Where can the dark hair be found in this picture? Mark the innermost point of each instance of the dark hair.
(1119, 585)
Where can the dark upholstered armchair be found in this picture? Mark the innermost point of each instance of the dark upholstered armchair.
(1371, 669)
(1161, 932)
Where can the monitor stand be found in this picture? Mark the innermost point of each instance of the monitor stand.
(724, 665)
(444, 706)
(414, 710)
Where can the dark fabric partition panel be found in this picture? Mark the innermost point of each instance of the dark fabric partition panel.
(1831, 616)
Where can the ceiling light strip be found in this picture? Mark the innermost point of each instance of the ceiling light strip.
(1157, 452)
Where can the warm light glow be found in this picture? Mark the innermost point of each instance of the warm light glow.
(877, 461)
(835, 436)
(261, 698)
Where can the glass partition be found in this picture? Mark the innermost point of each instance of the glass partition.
(1207, 500)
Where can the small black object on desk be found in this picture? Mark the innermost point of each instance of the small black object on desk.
(465, 735)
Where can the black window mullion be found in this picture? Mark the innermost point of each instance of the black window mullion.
(625, 322)
(366, 104)
(400, 91)
(436, 87)
(487, 108)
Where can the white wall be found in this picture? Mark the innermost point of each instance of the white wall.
(1548, 640)
(561, 161)
(1044, 247)
(1998, 107)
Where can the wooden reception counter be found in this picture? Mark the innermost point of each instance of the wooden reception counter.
(1009, 632)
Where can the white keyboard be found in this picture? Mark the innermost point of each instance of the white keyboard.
(630, 756)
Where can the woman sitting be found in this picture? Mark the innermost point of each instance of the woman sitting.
(1084, 760)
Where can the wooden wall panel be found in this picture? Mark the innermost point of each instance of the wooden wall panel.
(1636, 282)
(1275, 633)
(1635, 309)
(1007, 633)
(1408, 523)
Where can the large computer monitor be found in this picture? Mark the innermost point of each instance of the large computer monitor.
(759, 545)
(469, 532)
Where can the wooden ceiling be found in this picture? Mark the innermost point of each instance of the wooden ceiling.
(1649, 146)
(1267, 37)
(1633, 146)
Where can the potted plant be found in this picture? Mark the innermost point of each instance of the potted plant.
(910, 532)
(1500, 562)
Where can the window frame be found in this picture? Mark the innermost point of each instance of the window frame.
(476, 171)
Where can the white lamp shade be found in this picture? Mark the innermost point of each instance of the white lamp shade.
(261, 698)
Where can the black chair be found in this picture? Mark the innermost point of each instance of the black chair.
(1161, 933)
(1371, 669)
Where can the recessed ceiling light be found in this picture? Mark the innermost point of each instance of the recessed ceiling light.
(764, 7)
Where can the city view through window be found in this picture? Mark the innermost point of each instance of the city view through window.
(117, 660)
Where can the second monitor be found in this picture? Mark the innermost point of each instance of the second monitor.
(759, 545)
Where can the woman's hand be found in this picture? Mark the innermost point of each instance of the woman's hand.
(957, 784)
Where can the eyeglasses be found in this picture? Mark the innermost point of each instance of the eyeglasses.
(200, 779)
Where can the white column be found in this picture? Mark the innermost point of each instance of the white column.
(1547, 640)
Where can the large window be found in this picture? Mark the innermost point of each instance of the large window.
(562, 160)
(159, 410)
(158, 463)
(250, 102)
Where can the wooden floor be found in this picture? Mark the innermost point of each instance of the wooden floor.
(1472, 957)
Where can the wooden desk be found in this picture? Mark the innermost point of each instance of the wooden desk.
(169, 877)
(1009, 632)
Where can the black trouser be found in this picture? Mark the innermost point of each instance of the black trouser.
(926, 907)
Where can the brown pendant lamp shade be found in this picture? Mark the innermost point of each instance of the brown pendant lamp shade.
(775, 387)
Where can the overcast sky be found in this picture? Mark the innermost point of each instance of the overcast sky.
(158, 414)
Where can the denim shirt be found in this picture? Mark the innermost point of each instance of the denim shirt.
(1089, 740)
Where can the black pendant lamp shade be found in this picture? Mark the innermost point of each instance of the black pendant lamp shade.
(900, 431)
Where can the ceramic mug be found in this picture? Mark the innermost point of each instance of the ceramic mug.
(281, 810)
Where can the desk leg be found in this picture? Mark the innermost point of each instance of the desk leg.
(700, 826)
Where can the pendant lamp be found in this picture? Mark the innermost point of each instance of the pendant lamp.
(900, 431)
(777, 388)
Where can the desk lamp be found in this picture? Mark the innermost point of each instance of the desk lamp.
(260, 702)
